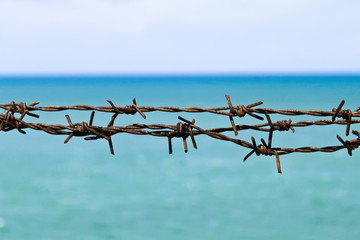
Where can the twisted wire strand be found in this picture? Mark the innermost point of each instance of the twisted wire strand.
(218, 110)
(186, 128)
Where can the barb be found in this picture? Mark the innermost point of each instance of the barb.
(241, 111)
(185, 128)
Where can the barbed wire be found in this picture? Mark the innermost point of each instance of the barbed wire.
(185, 128)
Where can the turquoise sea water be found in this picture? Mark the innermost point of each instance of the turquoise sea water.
(49, 190)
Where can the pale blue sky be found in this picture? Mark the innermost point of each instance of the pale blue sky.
(179, 36)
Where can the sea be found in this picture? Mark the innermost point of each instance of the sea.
(79, 191)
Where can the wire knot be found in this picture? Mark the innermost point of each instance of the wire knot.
(85, 129)
(241, 111)
(22, 108)
(128, 109)
(344, 114)
(183, 130)
(19, 107)
(10, 122)
(266, 150)
(350, 145)
(283, 125)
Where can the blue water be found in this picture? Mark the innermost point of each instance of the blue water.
(49, 190)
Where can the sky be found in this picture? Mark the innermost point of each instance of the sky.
(179, 36)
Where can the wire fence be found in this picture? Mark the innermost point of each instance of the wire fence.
(13, 116)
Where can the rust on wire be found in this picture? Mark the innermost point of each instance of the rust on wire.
(185, 128)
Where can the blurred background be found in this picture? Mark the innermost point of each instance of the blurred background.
(288, 54)
(178, 36)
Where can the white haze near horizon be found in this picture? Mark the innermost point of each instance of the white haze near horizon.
(179, 36)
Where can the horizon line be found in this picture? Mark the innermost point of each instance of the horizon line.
(184, 74)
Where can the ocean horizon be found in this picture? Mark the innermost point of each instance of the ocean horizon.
(78, 190)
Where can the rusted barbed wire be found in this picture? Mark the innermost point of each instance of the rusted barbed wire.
(185, 128)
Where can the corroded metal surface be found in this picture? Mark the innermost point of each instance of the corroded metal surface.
(186, 128)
